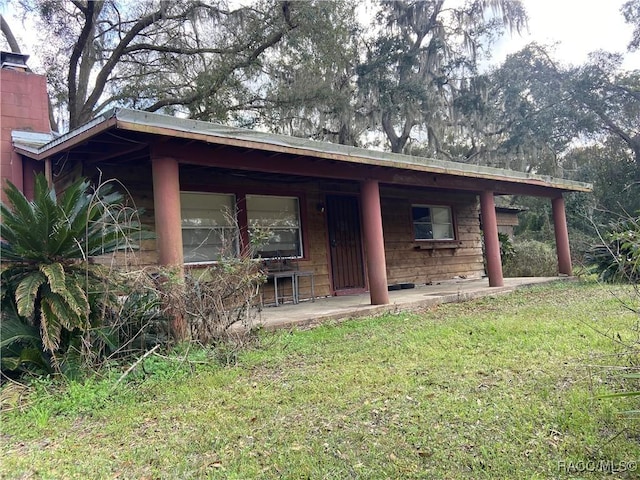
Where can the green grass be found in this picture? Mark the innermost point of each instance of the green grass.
(495, 388)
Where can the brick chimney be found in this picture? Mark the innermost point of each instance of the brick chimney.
(24, 105)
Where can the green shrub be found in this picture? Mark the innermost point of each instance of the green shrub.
(52, 295)
(531, 259)
(618, 259)
(580, 243)
(507, 250)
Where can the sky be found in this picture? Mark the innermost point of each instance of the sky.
(579, 27)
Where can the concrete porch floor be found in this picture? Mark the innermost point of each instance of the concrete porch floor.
(308, 314)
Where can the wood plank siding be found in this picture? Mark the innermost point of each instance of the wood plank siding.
(410, 261)
(405, 262)
(507, 221)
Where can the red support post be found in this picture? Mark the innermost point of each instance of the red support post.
(491, 240)
(166, 201)
(562, 236)
(374, 242)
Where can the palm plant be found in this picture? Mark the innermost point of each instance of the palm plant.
(48, 282)
(617, 259)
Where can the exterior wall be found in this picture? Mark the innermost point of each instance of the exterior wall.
(405, 263)
(313, 220)
(137, 180)
(506, 229)
(409, 261)
(507, 221)
(23, 106)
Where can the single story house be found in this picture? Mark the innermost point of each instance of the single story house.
(358, 219)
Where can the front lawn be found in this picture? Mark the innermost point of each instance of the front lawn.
(494, 388)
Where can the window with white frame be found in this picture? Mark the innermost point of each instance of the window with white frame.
(431, 222)
(208, 227)
(274, 225)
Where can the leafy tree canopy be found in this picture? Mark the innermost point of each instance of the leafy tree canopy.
(399, 75)
(154, 54)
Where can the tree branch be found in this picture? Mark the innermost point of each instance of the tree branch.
(76, 54)
(181, 50)
(269, 42)
(105, 71)
(8, 34)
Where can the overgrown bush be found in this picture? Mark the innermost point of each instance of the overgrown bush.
(59, 307)
(217, 303)
(617, 258)
(220, 296)
(531, 259)
(580, 242)
(134, 324)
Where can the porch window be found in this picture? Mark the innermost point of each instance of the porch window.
(274, 225)
(208, 227)
(432, 222)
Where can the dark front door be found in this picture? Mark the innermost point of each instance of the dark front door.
(345, 241)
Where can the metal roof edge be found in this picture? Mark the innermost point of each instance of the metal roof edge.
(130, 119)
(30, 138)
(28, 143)
(210, 129)
(104, 117)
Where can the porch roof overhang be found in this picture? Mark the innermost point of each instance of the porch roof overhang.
(282, 154)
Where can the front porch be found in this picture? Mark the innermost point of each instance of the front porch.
(340, 308)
